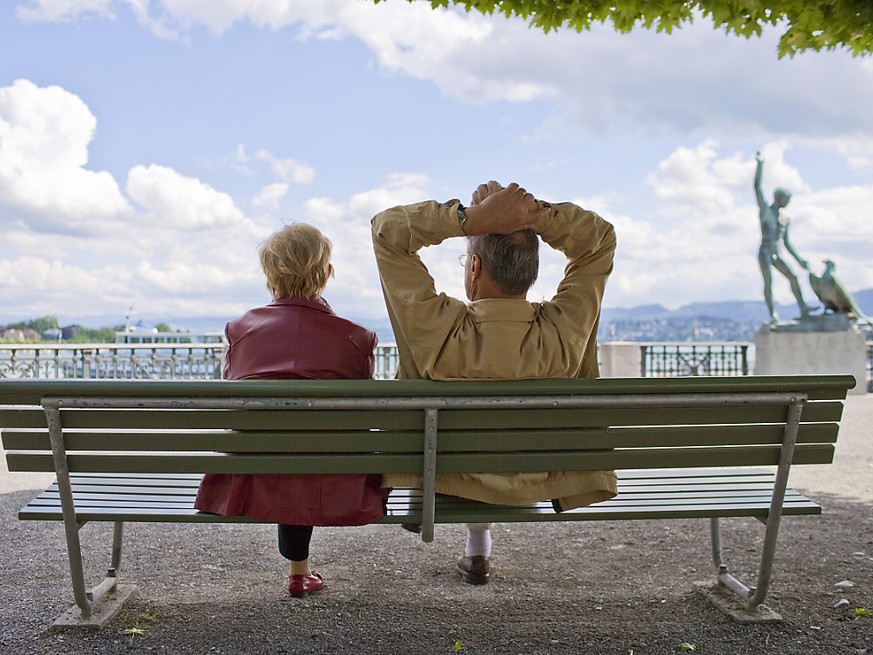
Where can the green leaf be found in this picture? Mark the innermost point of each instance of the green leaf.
(134, 632)
(805, 25)
(458, 646)
(860, 611)
(685, 647)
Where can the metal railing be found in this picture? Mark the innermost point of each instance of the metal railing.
(387, 361)
(203, 361)
(117, 361)
(105, 361)
(661, 360)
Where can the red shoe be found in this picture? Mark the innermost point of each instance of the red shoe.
(300, 585)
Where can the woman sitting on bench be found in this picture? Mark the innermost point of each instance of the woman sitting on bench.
(296, 336)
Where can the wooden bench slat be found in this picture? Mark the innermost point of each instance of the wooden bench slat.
(218, 441)
(299, 419)
(626, 476)
(632, 458)
(471, 462)
(483, 419)
(29, 392)
(449, 441)
(190, 490)
(412, 463)
(483, 513)
(109, 499)
(411, 419)
(510, 439)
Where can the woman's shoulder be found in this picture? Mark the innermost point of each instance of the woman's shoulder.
(358, 332)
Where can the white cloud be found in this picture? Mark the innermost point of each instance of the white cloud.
(356, 291)
(706, 249)
(287, 170)
(181, 202)
(44, 137)
(270, 196)
(73, 243)
(63, 10)
(701, 80)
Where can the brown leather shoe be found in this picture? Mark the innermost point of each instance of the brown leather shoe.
(475, 570)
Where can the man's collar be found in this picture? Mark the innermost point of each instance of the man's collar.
(502, 309)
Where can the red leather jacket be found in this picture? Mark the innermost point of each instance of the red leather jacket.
(296, 338)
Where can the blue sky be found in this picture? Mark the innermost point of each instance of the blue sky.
(148, 146)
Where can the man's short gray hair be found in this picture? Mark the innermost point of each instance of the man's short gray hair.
(512, 260)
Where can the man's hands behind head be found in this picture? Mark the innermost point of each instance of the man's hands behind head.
(498, 210)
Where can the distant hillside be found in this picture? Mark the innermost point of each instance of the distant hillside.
(737, 310)
(733, 320)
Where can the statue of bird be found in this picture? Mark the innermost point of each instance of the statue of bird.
(834, 295)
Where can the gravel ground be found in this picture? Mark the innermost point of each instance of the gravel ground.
(611, 588)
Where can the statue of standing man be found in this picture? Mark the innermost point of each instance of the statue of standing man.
(774, 231)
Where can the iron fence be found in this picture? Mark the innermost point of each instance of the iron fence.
(203, 361)
(135, 361)
(387, 361)
(660, 360)
(112, 361)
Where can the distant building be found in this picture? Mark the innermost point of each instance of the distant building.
(153, 336)
(70, 332)
(17, 334)
(52, 334)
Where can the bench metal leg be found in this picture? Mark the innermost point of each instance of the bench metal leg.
(110, 582)
(96, 607)
(428, 481)
(71, 524)
(85, 599)
(754, 596)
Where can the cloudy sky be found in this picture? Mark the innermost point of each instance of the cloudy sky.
(148, 146)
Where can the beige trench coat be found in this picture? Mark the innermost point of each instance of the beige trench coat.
(443, 338)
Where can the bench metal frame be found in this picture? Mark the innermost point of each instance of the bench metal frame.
(751, 596)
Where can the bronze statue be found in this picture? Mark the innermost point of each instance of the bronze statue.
(774, 231)
(834, 295)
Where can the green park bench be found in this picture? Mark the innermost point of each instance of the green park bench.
(683, 448)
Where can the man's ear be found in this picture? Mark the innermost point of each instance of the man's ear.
(475, 264)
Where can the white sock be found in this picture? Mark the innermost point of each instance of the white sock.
(478, 543)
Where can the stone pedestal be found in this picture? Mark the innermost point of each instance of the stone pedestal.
(824, 344)
(620, 359)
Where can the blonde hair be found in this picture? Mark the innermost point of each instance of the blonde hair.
(296, 261)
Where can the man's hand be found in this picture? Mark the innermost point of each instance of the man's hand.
(498, 210)
(484, 190)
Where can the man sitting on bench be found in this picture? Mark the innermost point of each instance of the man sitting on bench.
(499, 334)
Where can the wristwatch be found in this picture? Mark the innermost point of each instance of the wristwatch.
(462, 216)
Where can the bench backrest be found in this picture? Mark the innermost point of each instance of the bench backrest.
(300, 426)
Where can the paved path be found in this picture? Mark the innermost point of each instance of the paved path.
(851, 474)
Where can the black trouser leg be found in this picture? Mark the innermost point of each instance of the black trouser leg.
(294, 541)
